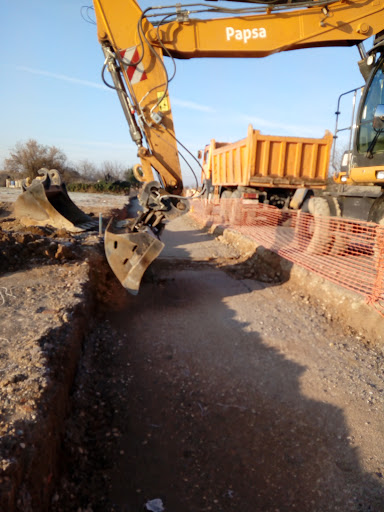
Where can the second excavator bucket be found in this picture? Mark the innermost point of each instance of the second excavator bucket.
(46, 203)
(129, 253)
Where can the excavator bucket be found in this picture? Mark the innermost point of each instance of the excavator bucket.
(46, 203)
(131, 245)
(129, 253)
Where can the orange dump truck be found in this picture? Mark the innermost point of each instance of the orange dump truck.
(266, 167)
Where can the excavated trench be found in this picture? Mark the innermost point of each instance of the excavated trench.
(49, 303)
(232, 382)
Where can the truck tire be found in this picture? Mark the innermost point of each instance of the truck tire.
(226, 194)
(340, 235)
(303, 227)
(225, 206)
(312, 233)
(236, 216)
(319, 208)
(376, 214)
(237, 194)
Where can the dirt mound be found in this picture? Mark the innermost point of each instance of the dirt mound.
(25, 248)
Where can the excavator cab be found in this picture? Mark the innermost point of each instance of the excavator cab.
(370, 136)
(363, 158)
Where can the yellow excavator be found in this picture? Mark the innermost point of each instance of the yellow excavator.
(135, 42)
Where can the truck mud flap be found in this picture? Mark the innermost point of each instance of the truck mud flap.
(46, 203)
(129, 253)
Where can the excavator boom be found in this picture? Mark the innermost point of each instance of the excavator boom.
(138, 40)
(272, 30)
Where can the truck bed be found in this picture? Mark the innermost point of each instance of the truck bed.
(271, 161)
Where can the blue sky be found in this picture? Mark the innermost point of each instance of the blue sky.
(51, 89)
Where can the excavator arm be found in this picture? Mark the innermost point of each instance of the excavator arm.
(135, 42)
(274, 28)
(141, 81)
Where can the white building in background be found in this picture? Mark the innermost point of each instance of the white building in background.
(13, 183)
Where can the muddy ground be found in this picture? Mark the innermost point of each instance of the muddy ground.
(216, 388)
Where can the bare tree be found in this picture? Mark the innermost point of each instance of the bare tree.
(89, 171)
(69, 174)
(27, 158)
(112, 171)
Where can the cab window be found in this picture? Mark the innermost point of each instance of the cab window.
(375, 96)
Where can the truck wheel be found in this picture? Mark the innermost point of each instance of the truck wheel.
(236, 216)
(312, 233)
(320, 242)
(226, 206)
(376, 214)
(340, 234)
(237, 194)
(303, 226)
(226, 194)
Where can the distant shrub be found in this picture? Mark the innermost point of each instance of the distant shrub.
(116, 187)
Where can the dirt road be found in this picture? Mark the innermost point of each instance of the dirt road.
(209, 392)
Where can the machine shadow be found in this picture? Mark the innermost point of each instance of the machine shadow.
(217, 420)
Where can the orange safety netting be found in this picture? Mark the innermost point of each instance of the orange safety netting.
(347, 252)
